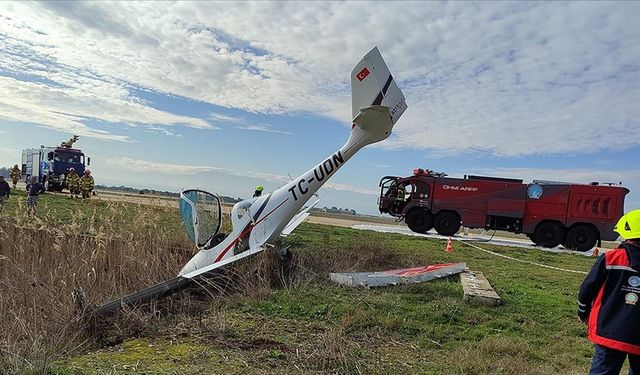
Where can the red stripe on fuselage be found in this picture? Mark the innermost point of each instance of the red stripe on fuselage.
(234, 242)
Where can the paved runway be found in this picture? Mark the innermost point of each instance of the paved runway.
(500, 241)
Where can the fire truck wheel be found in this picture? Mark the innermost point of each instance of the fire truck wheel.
(419, 221)
(581, 238)
(447, 223)
(548, 234)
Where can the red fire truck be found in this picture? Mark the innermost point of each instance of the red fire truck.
(577, 216)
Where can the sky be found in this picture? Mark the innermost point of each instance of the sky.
(224, 96)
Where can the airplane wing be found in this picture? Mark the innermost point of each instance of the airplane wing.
(298, 219)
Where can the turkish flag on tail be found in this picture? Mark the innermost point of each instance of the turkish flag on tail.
(362, 74)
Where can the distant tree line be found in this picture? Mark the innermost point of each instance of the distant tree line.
(165, 193)
(335, 210)
(4, 171)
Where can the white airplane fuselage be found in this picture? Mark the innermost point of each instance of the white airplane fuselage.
(270, 213)
(377, 104)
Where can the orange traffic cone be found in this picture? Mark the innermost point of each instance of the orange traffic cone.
(449, 246)
(596, 252)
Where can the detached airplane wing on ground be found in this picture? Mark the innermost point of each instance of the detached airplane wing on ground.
(377, 104)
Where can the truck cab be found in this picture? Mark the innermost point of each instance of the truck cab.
(410, 198)
(399, 195)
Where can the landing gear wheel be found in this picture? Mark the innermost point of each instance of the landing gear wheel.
(581, 238)
(447, 223)
(548, 235)
(419, 221)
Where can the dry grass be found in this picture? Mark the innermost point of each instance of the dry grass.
(265, 315)
(51, 273)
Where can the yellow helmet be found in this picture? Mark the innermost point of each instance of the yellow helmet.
(259, 188)
(629, 225)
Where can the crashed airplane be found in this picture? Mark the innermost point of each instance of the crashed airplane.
(377, 104)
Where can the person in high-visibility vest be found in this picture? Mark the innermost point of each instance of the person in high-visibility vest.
(86, 184)
(15, 175)
(400, 195)
(608, 302)
(73, 181)
(258, 191)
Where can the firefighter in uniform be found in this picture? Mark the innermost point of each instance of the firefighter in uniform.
(86, 184)
(608, 302)
(73, 181)
(400, 195)
(15, 175)
(258, 191)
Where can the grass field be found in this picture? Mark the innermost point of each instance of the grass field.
(276, 323)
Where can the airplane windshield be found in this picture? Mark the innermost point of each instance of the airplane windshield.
(201, 214)
(242, 207)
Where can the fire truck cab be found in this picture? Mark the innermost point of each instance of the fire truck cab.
(577, 216)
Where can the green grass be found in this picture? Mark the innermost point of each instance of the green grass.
(425, 328)
(90, 216)
(314, 326)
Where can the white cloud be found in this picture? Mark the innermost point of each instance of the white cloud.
(64, 97)
(219, 117)
(9, 156)
(145, 166)
(263, 128)
(504, 78)
(66, 108)
(242, 123)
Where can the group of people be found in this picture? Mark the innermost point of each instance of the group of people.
(77, 186)
(80, 185)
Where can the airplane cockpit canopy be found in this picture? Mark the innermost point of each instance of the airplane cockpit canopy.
(240, 210)
(201, 214)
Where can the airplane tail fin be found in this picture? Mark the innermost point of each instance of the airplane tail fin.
(372, 85)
